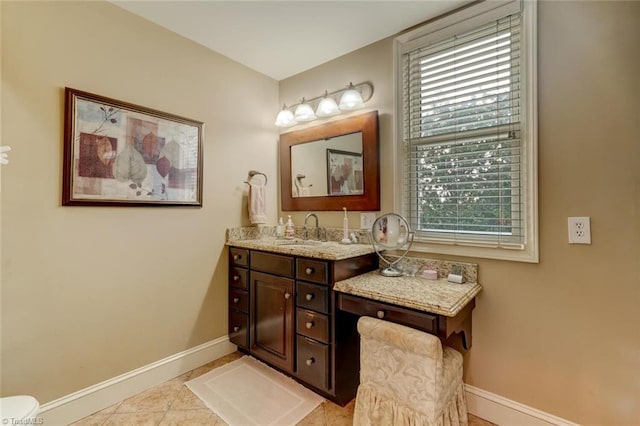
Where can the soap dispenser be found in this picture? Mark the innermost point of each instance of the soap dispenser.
(289, 230)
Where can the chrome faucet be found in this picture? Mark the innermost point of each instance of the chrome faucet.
(305, 229)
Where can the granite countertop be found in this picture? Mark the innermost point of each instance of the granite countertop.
(435, 296)
(328, 250)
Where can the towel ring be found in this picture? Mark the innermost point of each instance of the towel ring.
(253, 173)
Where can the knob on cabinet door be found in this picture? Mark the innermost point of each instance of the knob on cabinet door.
(287, 295)
(309, 324)
(237, 257)
(310, 361)
(236, 300)
(236, 328)
(309, 296)
(381, 314)
(308, 271)
(236, 277)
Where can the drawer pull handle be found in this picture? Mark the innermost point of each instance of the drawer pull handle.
(381, 314)
(236, 300)
(309, 324)
(237, 257)
(236, 328)
(310, 361)
(236, 277)
(308, 271)
(287, 295)
(309, 296)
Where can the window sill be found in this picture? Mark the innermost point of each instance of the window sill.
(529, 254)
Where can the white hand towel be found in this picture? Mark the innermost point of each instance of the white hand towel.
(257, 204)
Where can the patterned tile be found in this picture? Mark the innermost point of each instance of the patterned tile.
(477, 421)
(111, 409)
(337, 415)
(94, 420)
(192, 418)
(187, 400)
(138, 419)
(156, 399)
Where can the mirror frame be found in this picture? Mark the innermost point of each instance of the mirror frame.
(368, 201)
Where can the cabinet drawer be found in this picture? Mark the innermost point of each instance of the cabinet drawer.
(419, 320)
(238, 277)
(239, 328)
(238, 256)
(313, 363)
(239, 299)
(312, 270)
(313, 325)
(312, 296)
(272, 263)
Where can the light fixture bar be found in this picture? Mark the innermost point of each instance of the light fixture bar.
(365, 89)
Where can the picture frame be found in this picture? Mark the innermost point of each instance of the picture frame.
(120, 154)
(344, 173)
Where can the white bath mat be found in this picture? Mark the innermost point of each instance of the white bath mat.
(248, 392)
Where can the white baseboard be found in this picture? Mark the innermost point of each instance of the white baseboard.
(84, 402)
(503, 411)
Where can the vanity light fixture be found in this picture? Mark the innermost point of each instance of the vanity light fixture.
(351, 98)
(285, 118)
(327, 107)
(304, 112)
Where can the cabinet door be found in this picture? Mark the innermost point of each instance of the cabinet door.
(272, 325)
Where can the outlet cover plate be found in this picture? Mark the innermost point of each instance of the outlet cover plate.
(366, 220)
(579, 230)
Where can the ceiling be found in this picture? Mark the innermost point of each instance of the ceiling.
(284, 38)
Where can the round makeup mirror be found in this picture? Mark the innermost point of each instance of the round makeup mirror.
(391, 232)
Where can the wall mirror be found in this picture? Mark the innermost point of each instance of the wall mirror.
(331, 166)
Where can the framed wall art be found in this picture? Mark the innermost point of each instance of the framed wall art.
(344, 172)
(120, 154)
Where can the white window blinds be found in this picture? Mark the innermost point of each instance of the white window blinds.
(463, 171)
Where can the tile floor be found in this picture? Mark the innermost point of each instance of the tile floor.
(172, 403)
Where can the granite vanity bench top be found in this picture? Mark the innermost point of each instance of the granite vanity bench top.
(434, 296)
(328, 250)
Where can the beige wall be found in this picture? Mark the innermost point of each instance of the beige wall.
(90, 293)
(561, 336)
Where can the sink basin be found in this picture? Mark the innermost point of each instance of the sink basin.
(297, 242)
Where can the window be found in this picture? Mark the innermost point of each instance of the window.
(467, 126)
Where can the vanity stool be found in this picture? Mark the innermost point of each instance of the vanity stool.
(407, 378)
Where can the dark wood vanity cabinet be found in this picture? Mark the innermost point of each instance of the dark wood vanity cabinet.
(282, 310)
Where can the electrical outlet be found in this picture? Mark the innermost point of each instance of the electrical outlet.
(579, 230)
(366, 220)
